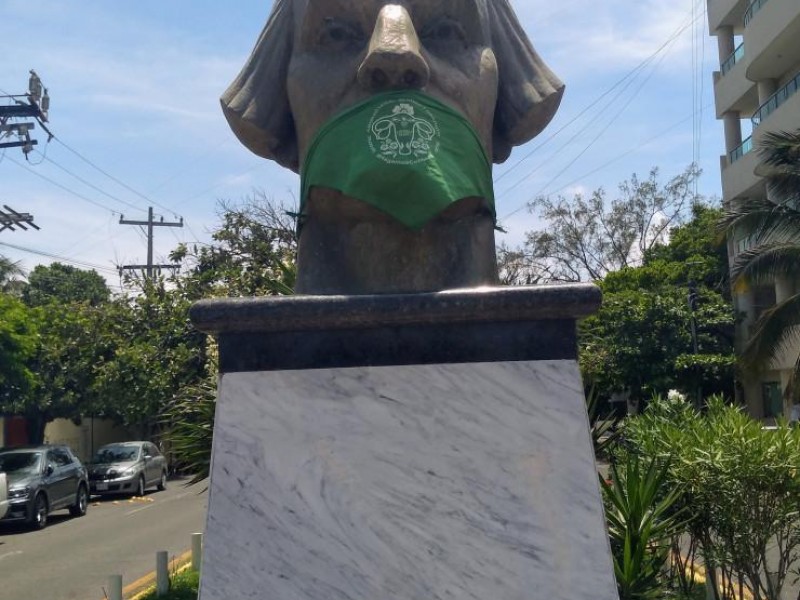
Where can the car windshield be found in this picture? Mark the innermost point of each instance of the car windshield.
(20, 462)
(113, 454)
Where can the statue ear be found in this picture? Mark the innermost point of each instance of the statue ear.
(257, 104)
(529, 92)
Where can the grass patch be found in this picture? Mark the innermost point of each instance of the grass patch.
(182, 586)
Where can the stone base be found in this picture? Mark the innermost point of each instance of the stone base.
(418, 482)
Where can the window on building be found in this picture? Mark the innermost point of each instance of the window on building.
(772, 397)
(763, 298)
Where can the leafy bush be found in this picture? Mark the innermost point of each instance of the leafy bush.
(740, 485)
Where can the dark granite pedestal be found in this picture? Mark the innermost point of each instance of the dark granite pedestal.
(404, 447)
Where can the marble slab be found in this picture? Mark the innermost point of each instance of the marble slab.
(424, 482)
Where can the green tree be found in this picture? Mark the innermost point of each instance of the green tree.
(694, 245)
(772, 226)
(68, 351)
(640, 341)
(253, 254)
(64, 284)
(155, 351)
(18, 342)
(739, 482)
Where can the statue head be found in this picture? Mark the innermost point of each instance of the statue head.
(317, 62)
(317, 57)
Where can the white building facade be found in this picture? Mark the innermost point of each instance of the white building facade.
(757, 90)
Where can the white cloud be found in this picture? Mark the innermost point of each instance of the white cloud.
(591, 36)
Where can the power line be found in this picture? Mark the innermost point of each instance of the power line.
(90, 184)
(63, 187)
(215, 186)
(673, 38)
(114, 179)
(187, 167)
(602, 131)
(59, 257)
(649, 140)
(575, 136)
(670, 40)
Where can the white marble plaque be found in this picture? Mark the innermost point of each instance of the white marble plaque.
(426, 482)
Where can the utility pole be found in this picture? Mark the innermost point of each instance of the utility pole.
(9, 218)
(149, 268)
(34, 104)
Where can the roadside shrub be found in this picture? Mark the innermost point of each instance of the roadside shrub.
(739, 485)
(182, 586)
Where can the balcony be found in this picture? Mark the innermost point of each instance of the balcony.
(739, 179)
(725, 13)
(778, 99)
(733, 92)
(738, 152)
(771, 39)
(751, 11)
(736, 57)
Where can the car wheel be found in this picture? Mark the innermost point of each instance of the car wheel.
(40, 510)
(162, 483)
(140, 487)
(81, 502)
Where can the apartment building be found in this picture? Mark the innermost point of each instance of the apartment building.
(756, 91)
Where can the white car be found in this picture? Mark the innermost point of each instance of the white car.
(3, 495)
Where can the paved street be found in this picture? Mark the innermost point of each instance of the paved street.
(72, 558)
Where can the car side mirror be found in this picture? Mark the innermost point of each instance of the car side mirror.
(49, 469)
(147, 457)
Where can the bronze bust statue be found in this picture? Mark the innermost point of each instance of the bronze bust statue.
(318, 59)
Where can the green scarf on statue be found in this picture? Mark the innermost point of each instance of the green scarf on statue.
(402, 152)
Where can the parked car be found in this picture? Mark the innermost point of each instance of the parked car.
(42, 479)
(3, 495)
(127, 468)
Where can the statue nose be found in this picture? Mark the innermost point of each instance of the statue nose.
(394, 60)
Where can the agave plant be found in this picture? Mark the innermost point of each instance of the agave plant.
(641, 525)
(772, 224)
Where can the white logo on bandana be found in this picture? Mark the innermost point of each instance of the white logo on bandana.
(404, 132)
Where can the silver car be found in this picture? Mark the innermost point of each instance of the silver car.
(3, 495)
(127, 468)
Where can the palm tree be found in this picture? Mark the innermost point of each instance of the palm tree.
(772, 225)
(10, 274)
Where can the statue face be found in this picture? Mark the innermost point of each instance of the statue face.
(346, 51)
(317, 57)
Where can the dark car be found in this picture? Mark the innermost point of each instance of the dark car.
(42, 479)
(127, 468)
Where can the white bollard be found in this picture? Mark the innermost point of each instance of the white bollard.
(162, 573)
(115, 587)
(197, 551)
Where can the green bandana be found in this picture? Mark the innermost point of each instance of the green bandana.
(402, 152)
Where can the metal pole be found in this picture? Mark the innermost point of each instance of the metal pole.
(692, 298)
(162, 573)
(150, 242)
(115, 587)
(197, 551)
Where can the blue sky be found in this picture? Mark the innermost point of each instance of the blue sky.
(134, 89)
